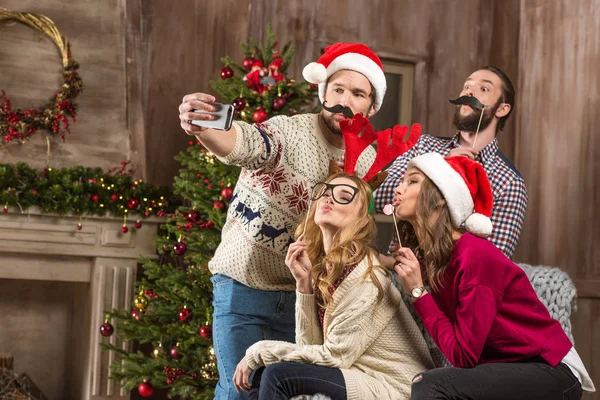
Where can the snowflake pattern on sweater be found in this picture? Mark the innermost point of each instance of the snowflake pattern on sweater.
(281, 160)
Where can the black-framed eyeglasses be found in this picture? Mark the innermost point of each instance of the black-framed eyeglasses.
(341, 193)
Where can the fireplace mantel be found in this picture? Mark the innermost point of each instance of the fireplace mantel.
(42, 247)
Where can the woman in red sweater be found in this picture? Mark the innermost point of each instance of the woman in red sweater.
(482, 311)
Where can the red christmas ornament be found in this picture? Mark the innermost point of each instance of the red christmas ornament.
(227, 193)
(239, 104)
(247, 63)
(179, 248)
(260, 116)
(175, 354)
(147, 213)
(114, 197)
(145, 389)
(226, 73)
(210, 224)
(95, 198)
(185, 315)
(135, 314)
(206, 332)
(106, 329)
(138, 224)
(192, 216)
(279, 103)
(124, 229)
(219, 205)
(133, 204)
(79, 226)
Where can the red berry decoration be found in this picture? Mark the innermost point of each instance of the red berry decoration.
(206, 332)
(124, 229)
(239, 104)
(226, 73)
(135, 314)
(185, 315)
(95, 198)
(247, 63)
(138, 224)
(227, 193)
(145, 389)
(179, 248)
(114, 197)
(210, 224)
(106, 329)
(219, 205)
(175, 354)
(279, 103)
(260, 116)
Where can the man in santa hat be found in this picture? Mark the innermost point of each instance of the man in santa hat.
(477, 139)
(281, 160)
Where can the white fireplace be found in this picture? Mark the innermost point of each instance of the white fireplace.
(55, 284)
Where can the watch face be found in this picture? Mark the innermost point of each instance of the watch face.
(416, 292)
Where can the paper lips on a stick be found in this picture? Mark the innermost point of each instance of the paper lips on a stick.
(387, 210)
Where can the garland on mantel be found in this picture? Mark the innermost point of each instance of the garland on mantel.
(81, 190)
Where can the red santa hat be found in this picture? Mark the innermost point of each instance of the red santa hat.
(353, 56)
(466, 188)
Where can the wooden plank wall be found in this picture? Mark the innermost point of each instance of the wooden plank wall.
(558, 151)
(30, 72)
(447, 42)
(140, 57)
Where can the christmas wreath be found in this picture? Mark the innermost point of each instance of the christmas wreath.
(54, 116)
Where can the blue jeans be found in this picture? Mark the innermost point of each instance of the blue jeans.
(242, 316)
(284, 380)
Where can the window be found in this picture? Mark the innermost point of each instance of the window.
(397, 104)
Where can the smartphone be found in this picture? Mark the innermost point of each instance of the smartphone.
(223, 117)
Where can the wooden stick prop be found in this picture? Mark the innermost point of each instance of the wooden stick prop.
(387, 210)
(472, 102)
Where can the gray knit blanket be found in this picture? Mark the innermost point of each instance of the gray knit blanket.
(552, 285)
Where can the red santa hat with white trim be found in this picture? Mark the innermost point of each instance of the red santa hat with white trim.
(466, 188)
(353, 56)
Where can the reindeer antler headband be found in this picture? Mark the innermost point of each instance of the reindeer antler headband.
(390, 145)
(387, 150)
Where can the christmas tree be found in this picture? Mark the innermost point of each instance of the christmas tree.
(172, 308)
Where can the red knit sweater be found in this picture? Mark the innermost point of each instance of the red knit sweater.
(488, 312)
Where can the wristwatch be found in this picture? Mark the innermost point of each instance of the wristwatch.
(417, 292)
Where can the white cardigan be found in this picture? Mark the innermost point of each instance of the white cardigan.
(377, 345)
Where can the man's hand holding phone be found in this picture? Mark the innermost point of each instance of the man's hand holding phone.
(210, 122)
(199, 111)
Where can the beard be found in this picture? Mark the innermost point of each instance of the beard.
(332, 125)
(470, 122)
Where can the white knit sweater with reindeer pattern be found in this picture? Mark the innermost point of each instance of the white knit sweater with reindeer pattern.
(281, 160)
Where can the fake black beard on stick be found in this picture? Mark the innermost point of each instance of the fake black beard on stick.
(471, 101)
(338, 108)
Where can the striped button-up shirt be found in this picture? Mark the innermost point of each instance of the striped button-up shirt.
(508, 187)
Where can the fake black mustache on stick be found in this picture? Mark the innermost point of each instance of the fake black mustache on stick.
(338, 108)
(468, 100)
